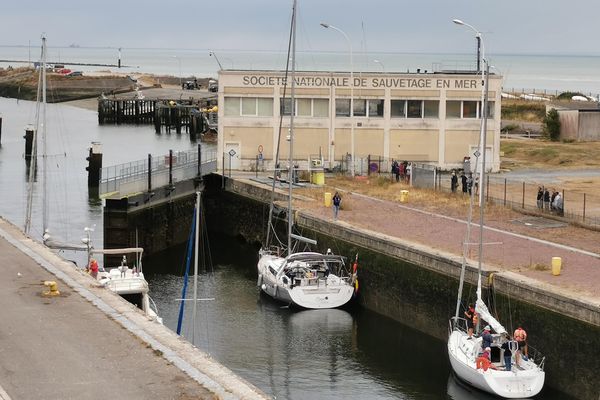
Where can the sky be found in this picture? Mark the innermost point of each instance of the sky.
(395, 26)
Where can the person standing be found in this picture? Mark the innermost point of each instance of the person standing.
(470, 182)
(463, 182)
(486, 337)
(507, 355)
(337, 201)
(558, 204)
(540, 198)
(408, 172)
(521, 338)
(453, 182)
(546, 199)
(471, 317)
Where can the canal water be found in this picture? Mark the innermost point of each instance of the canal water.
(289, 354)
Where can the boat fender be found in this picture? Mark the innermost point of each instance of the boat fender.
(263, 287)
(260, 280)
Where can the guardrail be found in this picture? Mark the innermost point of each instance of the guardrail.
(157, 171)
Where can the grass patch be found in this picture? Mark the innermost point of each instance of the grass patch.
(540, 267)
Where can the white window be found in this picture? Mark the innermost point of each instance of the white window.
(467, 109)
(232, 107)
(415, 108)
(306, 107)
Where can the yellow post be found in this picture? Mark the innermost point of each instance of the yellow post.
(327, 199)
(556, 265)
(403, 196)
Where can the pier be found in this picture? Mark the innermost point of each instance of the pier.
(88, 340)
(189, 116)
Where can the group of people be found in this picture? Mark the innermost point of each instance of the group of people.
(401, 170)
(516, 345)
(467, 182)
(550, 202)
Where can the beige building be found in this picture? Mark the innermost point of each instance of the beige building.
(423, 117)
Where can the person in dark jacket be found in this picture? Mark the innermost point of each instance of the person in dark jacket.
(453, 182)
(546, 199)
(337, 201)
(463, 182)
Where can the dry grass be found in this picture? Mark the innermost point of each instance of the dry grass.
(381, 187)
(546, 154)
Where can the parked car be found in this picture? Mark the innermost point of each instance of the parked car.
(75, 73)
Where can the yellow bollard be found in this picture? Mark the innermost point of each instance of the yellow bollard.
(327, 199)
(53, 289)
(556, 265)
(403, 196)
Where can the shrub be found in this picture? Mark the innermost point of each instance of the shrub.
(551, 125)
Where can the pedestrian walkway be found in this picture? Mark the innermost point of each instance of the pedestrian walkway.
(87, 343)
(504, 250)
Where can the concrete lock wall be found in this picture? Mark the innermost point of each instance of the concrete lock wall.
(418, 286)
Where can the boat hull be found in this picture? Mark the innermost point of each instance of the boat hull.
(514, 384)
(330, 292)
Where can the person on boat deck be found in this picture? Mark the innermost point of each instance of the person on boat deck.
(337, 201)
(507, 354)
(483, 361)
(471, 317)
(521, 337)
(486, 337)
(94, 268)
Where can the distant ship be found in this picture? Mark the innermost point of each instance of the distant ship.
(74, 45)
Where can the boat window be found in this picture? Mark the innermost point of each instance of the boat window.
(272, 270)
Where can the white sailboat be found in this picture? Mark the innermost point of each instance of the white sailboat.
(507, 381)
(305, 279)
(127, 282)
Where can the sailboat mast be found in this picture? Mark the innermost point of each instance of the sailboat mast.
(33, 156)
(196, 248)
(293, 112)
(44, 161)
(482, 183)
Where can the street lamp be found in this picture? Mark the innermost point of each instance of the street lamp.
(484, 86)
(327, 26)
(179, 61)
(212, 54)
(380, 63)
(479, 41)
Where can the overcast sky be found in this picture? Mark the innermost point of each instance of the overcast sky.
(508, 26)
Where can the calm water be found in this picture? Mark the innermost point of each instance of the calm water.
(288, 354)
(554, 72)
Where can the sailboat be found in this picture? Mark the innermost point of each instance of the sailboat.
(129, 283)
(508, 381)
(194, 241)
(305, 279)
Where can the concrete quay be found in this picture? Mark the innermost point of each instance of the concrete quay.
(89, 343)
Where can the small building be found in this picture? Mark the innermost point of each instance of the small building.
(579, 121)
(432, 118)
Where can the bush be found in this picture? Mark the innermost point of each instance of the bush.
(551, 125)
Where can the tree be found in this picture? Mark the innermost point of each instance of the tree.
(551, 124)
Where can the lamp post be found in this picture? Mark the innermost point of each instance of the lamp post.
(325, 25)
(179, 61)
(380, 63)
(212, 54)
(483, 114)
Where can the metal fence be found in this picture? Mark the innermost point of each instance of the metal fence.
(578, 206)
(156, 171)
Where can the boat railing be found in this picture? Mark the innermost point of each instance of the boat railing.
(537, 357)
(457, 323)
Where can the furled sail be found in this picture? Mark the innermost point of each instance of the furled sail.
(484, 314)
